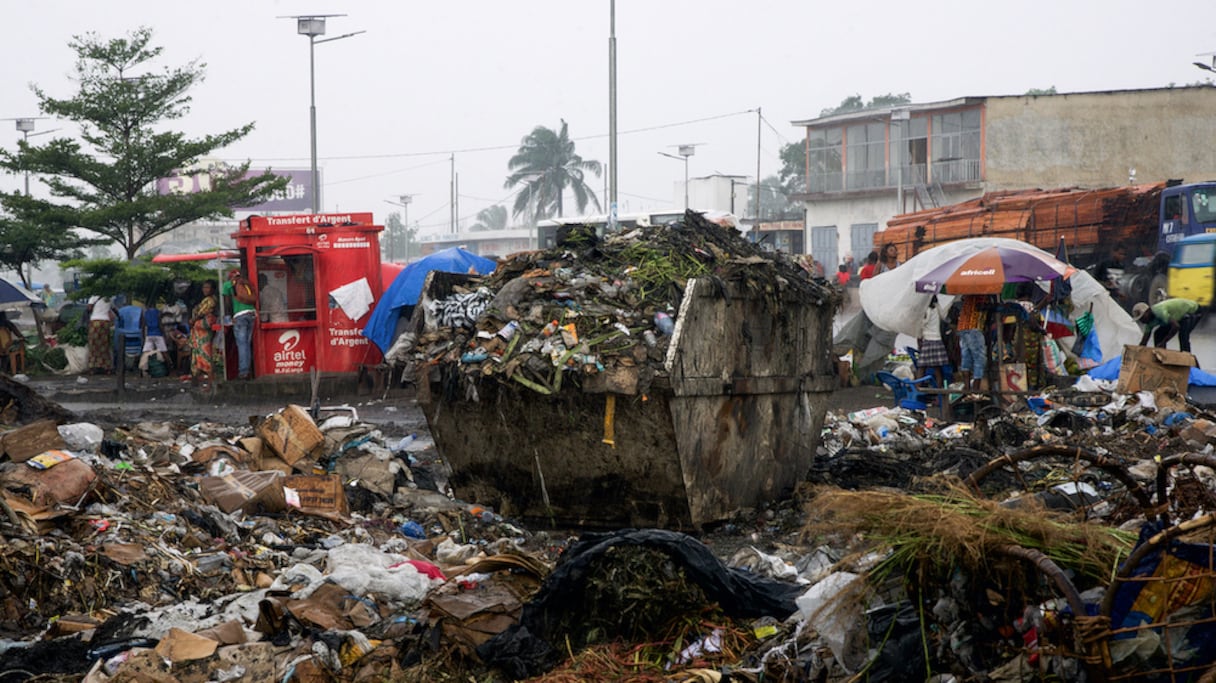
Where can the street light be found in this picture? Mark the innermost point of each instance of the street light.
(313, 25)
(25, 126)
(685, 152)
(1207, 67)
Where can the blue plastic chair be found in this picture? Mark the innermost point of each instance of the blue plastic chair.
(947, 371)
(906, 391)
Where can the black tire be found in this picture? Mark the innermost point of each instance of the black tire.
(1157, 289)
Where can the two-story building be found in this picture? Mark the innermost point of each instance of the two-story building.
(863, 167)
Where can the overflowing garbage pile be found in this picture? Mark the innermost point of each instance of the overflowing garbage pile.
(594, 309)
(1069, 536)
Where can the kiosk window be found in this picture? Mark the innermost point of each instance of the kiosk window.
(301, 287)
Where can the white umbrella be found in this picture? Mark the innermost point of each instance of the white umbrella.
(892, 303)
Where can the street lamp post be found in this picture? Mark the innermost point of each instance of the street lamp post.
(313, 25)
(26, 126)
(685, 152)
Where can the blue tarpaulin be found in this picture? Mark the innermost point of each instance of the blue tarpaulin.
(1110, 371)
(407, 287)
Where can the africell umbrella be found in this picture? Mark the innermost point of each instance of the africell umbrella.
(988, 270)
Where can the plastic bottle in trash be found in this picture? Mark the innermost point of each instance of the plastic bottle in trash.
(883, 432)
(405, 442)
(508, 330)
(664, 322)
(549, 328)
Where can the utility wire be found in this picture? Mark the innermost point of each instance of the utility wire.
(496, 148)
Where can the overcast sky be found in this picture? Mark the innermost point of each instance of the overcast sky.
(474, 76)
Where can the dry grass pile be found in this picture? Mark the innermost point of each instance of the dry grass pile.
(952, 527)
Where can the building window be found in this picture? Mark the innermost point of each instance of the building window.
(824, 148)
(867, 159)
(909, 150)
(956, 146)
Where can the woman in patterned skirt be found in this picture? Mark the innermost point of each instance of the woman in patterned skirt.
(931, 355)
(101, 335)
(202, 318)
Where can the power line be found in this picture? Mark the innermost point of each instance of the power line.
(497, 148)
(395, 171)
(774, 129)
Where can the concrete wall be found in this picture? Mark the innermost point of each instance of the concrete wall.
(1092, 139)
(1068, 140)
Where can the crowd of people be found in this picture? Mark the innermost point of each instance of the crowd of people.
(158, 340)
(978, 338)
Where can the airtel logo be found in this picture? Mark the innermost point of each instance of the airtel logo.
(289, 339)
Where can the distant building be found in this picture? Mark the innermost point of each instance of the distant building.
(488, 243)
(863, 167)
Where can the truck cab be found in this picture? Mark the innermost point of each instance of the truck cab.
(1186, 210)
(1193, 269)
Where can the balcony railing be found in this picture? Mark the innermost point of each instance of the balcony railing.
(956, 171)
(946, 172)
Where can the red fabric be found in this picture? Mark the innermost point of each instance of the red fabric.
(842, 277)
(867, 271)
(425, 568)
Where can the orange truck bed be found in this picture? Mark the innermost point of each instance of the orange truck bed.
(1087, 220)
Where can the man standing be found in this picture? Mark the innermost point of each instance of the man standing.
(271, 301)
(240, 293)
(1169, 317)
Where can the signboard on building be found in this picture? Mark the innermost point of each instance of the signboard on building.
(297, 196)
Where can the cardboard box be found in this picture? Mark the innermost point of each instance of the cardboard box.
(316, 493)
(1149, 369)
(1199, 433)
(291, 434)
(244, 490)
(23, 443)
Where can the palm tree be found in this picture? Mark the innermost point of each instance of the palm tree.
(491, 218)
(546, 165)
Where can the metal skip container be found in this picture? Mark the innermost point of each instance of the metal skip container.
(730, 421)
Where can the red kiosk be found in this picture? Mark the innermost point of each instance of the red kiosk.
(317, 278)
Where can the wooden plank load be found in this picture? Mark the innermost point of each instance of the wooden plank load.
(1084, 219)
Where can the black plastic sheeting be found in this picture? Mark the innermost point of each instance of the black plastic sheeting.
(523, 651)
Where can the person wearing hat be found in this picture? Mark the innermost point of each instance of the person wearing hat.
(240, 293)
(1172, 316)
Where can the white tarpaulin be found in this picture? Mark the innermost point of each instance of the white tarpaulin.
(891, 302)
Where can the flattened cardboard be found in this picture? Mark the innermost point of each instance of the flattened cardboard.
(244, 490)
(318, 494)
(183, 646)
(291, 434)
(1146, 368)
(67, 482)
(23, 443)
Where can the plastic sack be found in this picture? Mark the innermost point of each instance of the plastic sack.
(1053, 357)
(82, 436)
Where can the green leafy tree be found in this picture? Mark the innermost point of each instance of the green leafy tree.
(775, 203)
(139, 279)
(399, 242)
(491, 218)
(546, 165)
(23, 243)
(108, 184)
(1042, 91)
(856, 103)
(793, 167)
